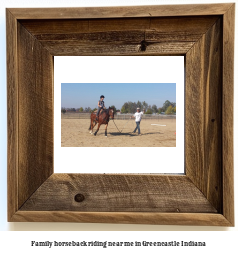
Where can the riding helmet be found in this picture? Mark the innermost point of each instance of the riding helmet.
(102, 96)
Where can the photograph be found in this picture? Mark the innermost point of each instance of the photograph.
(118, 115)
(120, 112)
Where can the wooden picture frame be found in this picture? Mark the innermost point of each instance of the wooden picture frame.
(204, 34)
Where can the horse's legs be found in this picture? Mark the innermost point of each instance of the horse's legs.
(106, 130)
(92, 125)
(95, 133)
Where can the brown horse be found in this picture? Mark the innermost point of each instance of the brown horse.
(103, 118)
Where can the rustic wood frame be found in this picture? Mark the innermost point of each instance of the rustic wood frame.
(202, 33)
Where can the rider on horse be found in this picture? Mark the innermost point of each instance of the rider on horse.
(102, 119)
(100, 105)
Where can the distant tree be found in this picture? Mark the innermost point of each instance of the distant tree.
(169, 110)
(81, 109)
(159, 110)
(127, 105)
(63, 110)
(174, 110)
(166, 104)
(144, 105)
(87, 109)
(71, 109)
(149, 111)
(139, 105)
(130, 107)
(154, 108)
(124, 110)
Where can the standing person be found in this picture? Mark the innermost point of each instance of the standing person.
(137, 117)
(100, 105)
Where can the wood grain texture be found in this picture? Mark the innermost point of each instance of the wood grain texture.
(173, 36)
(192, 219)
(12, 114)
(35, 114)
(203, 119)
(227, 113)
(179, 25)
(141, 193)
(72, 48)
(121, 12)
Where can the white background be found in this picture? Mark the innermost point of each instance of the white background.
(156, 69)
(218, 242)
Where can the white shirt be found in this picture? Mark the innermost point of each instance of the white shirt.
(138, 116)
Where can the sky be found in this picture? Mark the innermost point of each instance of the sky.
(76, 95)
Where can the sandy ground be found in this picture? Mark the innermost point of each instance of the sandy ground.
(75, 133)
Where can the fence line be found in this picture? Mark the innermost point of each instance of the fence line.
(116, 117)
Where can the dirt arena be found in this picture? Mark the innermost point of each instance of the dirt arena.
(75, 133)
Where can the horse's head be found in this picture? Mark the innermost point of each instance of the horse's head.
(111, 113)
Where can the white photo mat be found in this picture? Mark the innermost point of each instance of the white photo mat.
(119, 69)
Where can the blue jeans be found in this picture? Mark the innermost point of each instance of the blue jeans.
(137, 127)
(98, 110)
